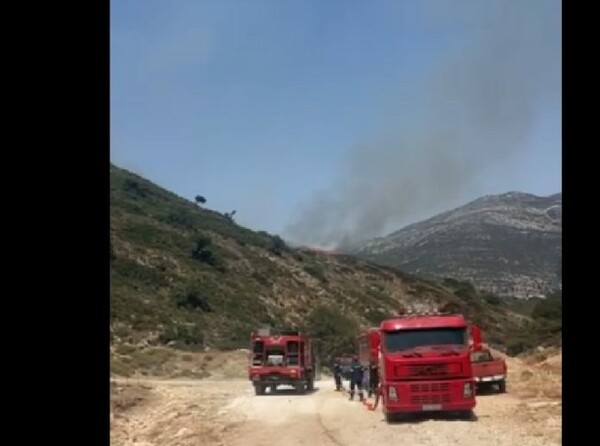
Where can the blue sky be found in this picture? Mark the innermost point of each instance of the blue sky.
(258, 105)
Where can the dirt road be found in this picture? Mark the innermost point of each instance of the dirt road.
(205, 412)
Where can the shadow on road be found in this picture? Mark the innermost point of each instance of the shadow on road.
(438, 416)
(488, 392)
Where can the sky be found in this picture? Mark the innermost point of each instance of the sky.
(332, 121)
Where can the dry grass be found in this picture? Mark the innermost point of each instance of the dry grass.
(162, 362)
(191, 414)
(538, 376)
(124, 397)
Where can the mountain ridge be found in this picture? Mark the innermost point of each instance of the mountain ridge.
(482, 242)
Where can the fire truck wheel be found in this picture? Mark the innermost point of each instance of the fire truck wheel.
(310, 384)
(502, 386)
(259, 389)
(390, 417)
(465, 415)
(481, 389)
(299, 388)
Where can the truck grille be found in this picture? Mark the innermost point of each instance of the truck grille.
(273, 377)
(428, 370)
(426, 388)
(430, 399)
(429, 393)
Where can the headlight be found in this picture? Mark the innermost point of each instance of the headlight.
(467, 390)
(392, 393)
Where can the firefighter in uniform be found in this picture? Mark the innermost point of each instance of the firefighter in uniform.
(356, 378)
(337, 374)
(373, 378)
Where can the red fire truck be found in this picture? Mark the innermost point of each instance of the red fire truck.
(424, 364)
(281, 358)
(488, 371)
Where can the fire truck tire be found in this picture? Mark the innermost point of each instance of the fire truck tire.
(482, 388)
(300, 388)
(390, 417)
(259, 389)
(466, 415)
(310, 384)
(502, 386)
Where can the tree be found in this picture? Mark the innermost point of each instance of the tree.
(333, 332)
(200, 199)
(277, 245)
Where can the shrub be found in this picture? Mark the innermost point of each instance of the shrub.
(549, 309)
(180, 218)
(180, 334)
(316, 271)
(134, 189)
(191, 300)
(492, 299)
(332, 332)
(277, 245)
(203, 253)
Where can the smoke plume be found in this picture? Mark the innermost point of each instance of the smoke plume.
(474, 110)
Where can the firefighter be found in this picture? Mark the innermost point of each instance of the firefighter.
(373, 378)
(366, 382)
(356, 379)
(337, 374)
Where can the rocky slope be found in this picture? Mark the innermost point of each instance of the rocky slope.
(185, 275)
(508, 244)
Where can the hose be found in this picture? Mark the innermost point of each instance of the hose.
(373, 406)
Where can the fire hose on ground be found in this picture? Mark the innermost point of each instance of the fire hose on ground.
(370, 406)
(373, 406)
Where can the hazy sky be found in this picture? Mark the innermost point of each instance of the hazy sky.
(324, 119)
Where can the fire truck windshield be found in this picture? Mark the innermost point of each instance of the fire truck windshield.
(396, 341)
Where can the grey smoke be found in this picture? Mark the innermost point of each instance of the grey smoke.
(475, 110)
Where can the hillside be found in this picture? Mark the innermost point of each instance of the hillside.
(190, 277)
(507, 244)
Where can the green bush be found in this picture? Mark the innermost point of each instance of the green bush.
(316, 271)
(277, 245)
(180, 218)
(180, 334)
(375, 316)
(332, 332)
(193, 301)
(492, 299)
(549, 308)
(203, 253)
(134, 189)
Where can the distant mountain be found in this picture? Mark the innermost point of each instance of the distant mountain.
(508, 244)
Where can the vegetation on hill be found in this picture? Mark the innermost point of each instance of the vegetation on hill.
(190, 277)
